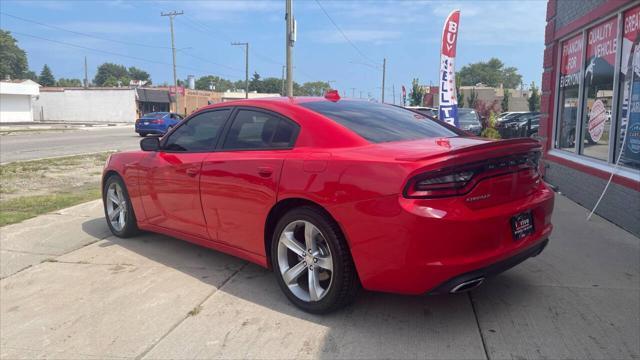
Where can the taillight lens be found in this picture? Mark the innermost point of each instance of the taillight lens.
(460, 180)
(439, 184)
(156, 121)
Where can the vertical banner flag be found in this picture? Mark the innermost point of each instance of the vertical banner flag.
(448, 97)
(404, 96)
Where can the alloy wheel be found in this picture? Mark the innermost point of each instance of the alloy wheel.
(305, 261)
(116, 206)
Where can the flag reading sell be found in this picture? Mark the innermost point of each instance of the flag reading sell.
(448, 97)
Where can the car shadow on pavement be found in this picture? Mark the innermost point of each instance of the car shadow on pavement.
(376, 325)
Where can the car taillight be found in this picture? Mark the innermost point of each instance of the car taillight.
(156, 121)
(461, 179)
(437, 184)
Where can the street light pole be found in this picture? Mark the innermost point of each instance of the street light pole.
(246, 66)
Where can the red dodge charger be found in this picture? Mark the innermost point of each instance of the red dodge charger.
(335, 195)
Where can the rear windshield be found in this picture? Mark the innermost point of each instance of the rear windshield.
(379, 122)
(154, 115)
(467, 116)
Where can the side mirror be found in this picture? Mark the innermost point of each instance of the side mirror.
(150, 144)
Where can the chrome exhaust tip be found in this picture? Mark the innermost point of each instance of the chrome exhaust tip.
(467, 285)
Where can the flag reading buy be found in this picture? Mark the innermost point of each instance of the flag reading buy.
(448, 97)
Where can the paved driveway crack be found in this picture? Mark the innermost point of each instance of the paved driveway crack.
(175, 326)
(475, 314)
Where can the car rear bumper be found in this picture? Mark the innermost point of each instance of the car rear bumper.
(471, 278)
(147, 130)
(414, 246)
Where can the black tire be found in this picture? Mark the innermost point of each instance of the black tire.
(130, 224)
(345, 284)
(142, 134)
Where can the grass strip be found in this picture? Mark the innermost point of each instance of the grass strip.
(25, 207)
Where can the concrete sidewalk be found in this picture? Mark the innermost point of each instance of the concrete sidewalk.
(70, 290)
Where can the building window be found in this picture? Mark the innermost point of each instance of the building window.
(628, 132)
(570, 64)
(598, 89)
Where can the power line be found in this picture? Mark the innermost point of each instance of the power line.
(114, 40)
(342, 32)
(84, 34)
(114, 53)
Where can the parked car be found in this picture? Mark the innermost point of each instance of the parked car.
(432, 112)
(156, 123)
(509, 126)
(528, 125)
(334, 195)
(470, 121)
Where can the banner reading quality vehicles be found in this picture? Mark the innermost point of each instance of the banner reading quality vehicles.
(448, 97)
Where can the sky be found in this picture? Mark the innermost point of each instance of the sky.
(406, 33)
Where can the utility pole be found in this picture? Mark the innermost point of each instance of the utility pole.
(353, 92)
(360, 94)
(246, 66)
(384, 74)
(284, 68)
(86, 77)
(291, 38)
(171, 15)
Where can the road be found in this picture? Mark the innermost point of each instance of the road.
(68, 289)
(46, 144)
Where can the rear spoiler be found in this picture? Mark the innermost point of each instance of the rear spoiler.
(506, 147)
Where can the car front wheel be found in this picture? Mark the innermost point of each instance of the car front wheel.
(117, 208)
(312, 261)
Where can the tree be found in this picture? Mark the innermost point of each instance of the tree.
(315, 88)
(138, 74)
(417, 93)
(255, 84)
(13, 60)
(534, 98)
(110, 70)
(62, 82)
(491, 73)
(46, 77)
(459, 94)
(473, 99)
(216, 83)
(271, 85)
(31, 75)
(110, 74)
(505, 100)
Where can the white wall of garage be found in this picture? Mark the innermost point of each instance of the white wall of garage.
(16, 98)
(112, 105)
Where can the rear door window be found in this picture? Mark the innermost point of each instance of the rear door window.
(252, 130)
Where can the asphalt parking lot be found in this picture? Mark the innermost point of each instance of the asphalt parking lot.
(70, 290)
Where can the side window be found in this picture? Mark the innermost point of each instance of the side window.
(199, 133)
(259, 130)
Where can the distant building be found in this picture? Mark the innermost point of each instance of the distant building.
(239, 95)
(109, 105)
(16, 100)
(518, 99)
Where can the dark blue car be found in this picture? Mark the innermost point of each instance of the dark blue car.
(156, 123)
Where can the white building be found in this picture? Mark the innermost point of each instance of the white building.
(108, 105)
(240, 95)
(16, 100)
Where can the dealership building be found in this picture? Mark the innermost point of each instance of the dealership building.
(590, 105)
